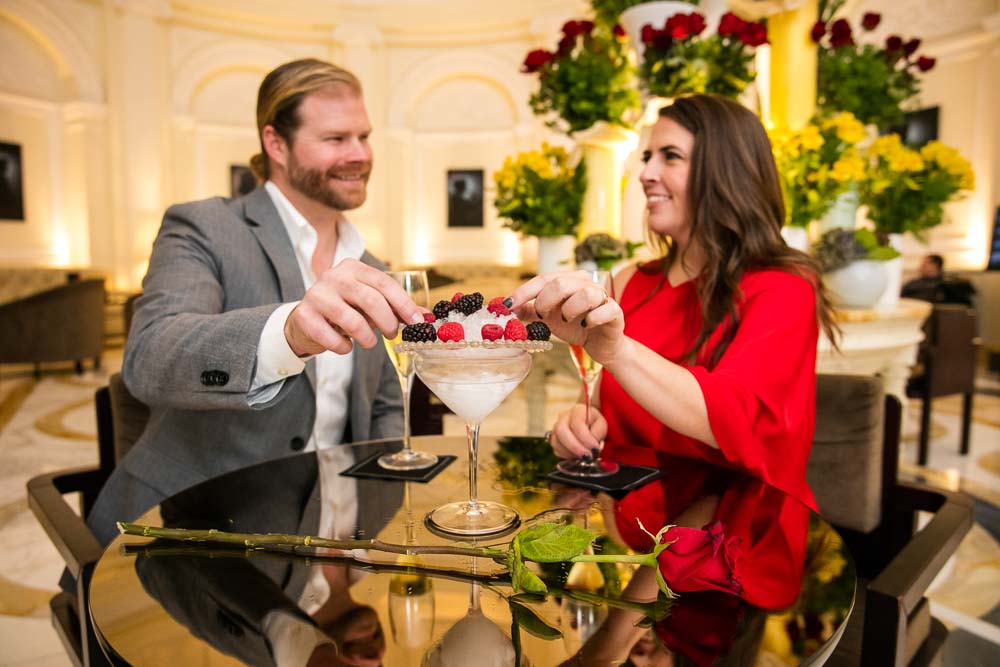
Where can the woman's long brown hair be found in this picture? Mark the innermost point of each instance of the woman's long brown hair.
(736, 211)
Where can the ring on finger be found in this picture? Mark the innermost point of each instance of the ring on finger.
(548, 437)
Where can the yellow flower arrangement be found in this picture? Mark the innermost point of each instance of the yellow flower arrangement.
(540, 193)
(817, 163)
(906, 188)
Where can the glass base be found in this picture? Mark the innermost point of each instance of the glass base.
(483, 517)
(584, 468)
(407, 459)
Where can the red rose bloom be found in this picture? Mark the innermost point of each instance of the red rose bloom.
(925, 64)
(662, 40)
(818, 30)
(565, 45)
(678, 26)
(618, 31)
(647, 34)
(586, 27)
(701, 560)
(871, 20)
(893, 43)
(730, 24)
(754, 34)
(572, 28)
(696, 22)
(536, 59)
(911, 47)
(702, 626)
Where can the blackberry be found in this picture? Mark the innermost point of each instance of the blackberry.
(441, 309)
(538, 331)
(469, 303)
(420, 332)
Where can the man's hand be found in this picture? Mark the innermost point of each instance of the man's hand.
(348, 302)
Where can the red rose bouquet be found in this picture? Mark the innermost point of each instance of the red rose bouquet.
(588, 78)
(679, 59)
(872, 82)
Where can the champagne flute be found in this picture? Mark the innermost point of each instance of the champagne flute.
(590, 372)
(413, 283)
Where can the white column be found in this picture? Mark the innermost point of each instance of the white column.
(138, 83)
(84, 202)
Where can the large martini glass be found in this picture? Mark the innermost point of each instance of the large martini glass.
(472, 381)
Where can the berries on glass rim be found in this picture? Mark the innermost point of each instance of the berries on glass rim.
(421, 332)
(442, 308)
(456, 296)
(497, 308)
(492, 332)
(451, 332)
(469, 303)
(429, 317)
(514, 330)
(538, 331)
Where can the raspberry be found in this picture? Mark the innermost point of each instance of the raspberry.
(469, 303)
(451, 331)
(494, 300)
(421, 332)
(441, 309)
(429, 317)
(538, 331)
(492, 332)
(456, 296)
(498, 308)
(515, 330)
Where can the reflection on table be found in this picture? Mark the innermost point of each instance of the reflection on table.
(167, 603)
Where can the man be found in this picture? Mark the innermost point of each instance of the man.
(257, 334)
(933, 286)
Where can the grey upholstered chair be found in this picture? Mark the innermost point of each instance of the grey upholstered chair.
(852, 471)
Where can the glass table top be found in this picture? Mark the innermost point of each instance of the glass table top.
(161, 602)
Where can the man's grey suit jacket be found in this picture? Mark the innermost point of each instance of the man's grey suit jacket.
(218, 269)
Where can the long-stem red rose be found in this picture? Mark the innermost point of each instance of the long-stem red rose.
(701, 559)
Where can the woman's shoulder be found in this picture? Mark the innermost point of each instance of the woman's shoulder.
(783, 283)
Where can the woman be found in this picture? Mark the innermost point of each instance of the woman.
(710, 352)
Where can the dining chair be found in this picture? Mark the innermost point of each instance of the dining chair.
(853, 473)
(948, 361)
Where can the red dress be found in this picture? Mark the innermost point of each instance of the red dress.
(761, 409)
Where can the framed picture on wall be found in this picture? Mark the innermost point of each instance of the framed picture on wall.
(465, 197)
(918, 127)
(11, 183)
(241, 180)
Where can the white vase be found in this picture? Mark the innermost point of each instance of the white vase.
(859, 284)
(894, 274)
(795, 237)
(555, 253)
(844, 212)
(654, 13)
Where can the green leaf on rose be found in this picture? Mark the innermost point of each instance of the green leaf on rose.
(526, 618)
(552, 542)
(521, 578)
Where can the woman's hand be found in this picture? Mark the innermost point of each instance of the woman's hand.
(576, 309)
(572, 436)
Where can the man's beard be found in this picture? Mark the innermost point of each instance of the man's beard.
(315, 185)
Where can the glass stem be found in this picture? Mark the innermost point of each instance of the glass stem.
(406, 384)
(472, 431)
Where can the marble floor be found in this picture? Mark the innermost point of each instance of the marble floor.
(48, 424)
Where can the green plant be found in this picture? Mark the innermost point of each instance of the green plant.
(587, 79)
(839, 247)
(604, 250)
(816, 164)
(679, 59)
(872, 82)
(539, 193)
(905, 189)
(609, 10)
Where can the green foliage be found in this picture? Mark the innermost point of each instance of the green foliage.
(861, 80)
(552, 542)
(539, 194)
(839, 247)
(525, 618)
(523, 462)
(604, 250)
(588, 79)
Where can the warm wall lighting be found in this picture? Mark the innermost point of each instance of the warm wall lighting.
(61, 249)
(419, 252)
(762, 62)
(511, 249)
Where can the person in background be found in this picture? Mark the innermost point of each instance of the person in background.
(710, 354)
(932, 284)
(257, 333)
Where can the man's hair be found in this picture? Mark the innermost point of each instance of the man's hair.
(281, 94)
(936, 260)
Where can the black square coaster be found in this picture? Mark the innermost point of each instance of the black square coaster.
(370, 469)
(617, 485)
